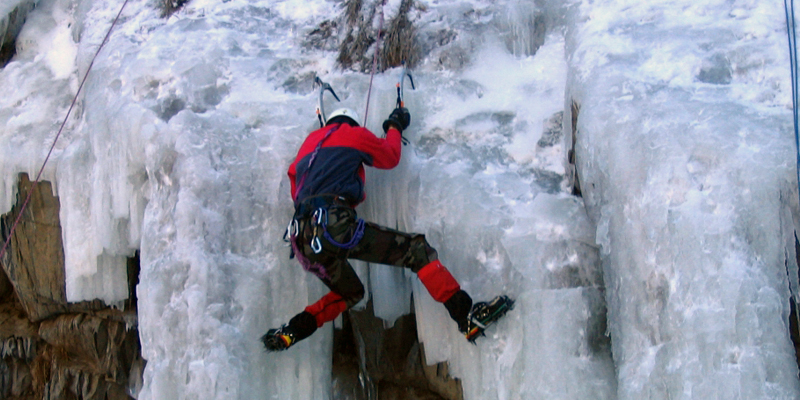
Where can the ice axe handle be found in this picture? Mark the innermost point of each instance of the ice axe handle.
(320, 105)
(400, 91)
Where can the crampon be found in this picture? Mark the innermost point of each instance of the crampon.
(278, 339)
(484, 315)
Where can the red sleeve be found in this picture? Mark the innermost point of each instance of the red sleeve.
(385, 152)
(292, 177)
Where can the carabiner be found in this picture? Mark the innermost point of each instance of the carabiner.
(316, 245)
(291, 230)
(320, 216)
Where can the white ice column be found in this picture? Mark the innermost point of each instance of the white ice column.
(685, 154)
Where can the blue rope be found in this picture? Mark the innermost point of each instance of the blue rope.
(357, 235)
(788, 7)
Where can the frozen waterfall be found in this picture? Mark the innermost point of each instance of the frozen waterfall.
(667, 278)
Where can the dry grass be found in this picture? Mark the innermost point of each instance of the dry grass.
(401, 40)
(352, 9)
(323, 37)
(352, 52)
(360, 36)
(169, 7)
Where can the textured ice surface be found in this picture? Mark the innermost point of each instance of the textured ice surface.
(686, 159)
(182, 137)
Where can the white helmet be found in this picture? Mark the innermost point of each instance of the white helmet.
(344, 112)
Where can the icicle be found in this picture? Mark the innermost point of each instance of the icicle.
(131, 321)
(364, 379)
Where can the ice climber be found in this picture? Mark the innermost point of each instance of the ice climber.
(327, 182)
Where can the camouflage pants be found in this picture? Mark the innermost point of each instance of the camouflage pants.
(379, 245)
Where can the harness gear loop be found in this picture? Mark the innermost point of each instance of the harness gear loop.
(321, 218)
(357, 236)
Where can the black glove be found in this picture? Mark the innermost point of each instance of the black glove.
(399, 118)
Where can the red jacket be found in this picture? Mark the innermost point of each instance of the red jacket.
(338, 168)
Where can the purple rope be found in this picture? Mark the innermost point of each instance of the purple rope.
(357, 235)
(314, 268)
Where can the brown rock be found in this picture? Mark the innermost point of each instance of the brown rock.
(369, 358)
(34, 260)
(50, 348)
(6, 290)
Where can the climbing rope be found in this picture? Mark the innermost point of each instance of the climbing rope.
(58, 134)
(374, 61)
(321, 219)
(788, 6)
(791, 30)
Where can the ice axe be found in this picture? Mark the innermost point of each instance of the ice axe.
(320, 104)
(403, 74)
(400, 103)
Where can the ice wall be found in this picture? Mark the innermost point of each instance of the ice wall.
(489, 200)
(101, 200)
(685, 158)
(37, 84)
(482, 178)
(219, 98)
(215, 274)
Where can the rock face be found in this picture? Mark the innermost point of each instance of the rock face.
(371, 361)
(34, 261)
(51, 348)
(12, 16)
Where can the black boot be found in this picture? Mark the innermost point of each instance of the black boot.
(459, 306)
(299, 328)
